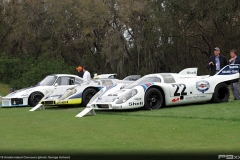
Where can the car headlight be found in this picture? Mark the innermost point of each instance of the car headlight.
(126, 96)
(95, 96)
(68, 93)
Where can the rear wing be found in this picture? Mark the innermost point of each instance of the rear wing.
(132, 78)
(189, 72)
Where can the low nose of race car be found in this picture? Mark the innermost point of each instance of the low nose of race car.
(105, 106)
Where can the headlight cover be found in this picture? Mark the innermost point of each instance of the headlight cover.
(126, 96)
(95, 96)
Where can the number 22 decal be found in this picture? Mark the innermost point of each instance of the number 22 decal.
(177, 89)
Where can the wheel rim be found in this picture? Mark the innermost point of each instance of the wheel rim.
(154, 100)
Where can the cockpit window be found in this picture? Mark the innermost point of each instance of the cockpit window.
(168, 78)
(142, 81)
(65, 81)
(48, 81)
(78, 81)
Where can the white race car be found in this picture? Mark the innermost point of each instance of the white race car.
(32, 95)
(165, 89)
(80, 94)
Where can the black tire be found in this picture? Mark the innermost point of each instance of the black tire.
(221, 93)
(34, 98)
(153, 99)
(87, 95)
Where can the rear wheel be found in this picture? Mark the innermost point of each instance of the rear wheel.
(221, 93)
(87, 95)
(34, 98)
(153, 99)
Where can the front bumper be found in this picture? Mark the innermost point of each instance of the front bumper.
(14, 102)
(105, 106)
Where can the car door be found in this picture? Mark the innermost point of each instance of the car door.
(179, 92)
(64, 82)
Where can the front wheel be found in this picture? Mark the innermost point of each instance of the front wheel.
(87, 95)
(34, 98)
(221, 93)
(153, 99)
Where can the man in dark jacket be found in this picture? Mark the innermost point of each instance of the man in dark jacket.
(80, 71)
(216, 62)
(234, 86)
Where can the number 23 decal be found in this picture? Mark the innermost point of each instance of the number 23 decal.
(182, 93)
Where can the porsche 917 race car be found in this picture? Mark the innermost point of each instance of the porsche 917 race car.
(32, 95)
(166, 89)
(80, 94)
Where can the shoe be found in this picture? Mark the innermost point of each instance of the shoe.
(236, 99)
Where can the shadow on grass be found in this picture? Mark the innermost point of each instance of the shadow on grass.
(62, 107)
(142, 109)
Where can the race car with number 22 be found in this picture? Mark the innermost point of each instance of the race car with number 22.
(166, 89)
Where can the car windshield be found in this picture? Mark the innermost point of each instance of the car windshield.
(48, 81)
(142, 81)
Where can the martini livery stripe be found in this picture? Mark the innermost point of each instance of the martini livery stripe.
(146, 85)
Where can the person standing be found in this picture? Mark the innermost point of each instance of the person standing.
(216, 62)
(234, 86)
(80, 71)
(86, 75)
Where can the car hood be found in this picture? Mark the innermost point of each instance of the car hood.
(113, 93)
(22, 91)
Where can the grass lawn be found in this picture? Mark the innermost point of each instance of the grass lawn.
(184, 129)
(200, 128)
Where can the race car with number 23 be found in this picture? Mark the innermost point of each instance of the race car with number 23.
(166, 89)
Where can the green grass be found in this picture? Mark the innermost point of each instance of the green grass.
(184, 129)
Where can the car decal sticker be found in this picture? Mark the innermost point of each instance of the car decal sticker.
(146, 85)
(229, 70)
(202, 86)
(79, 95)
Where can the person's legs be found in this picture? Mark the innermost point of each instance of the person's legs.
(235, 90)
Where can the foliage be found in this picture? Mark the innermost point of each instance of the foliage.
(112, 36)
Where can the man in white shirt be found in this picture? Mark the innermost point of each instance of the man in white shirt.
(86, 75)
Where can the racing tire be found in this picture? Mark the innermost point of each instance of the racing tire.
(87, 95)
(34, 98)
(153, 99)
(221, 93)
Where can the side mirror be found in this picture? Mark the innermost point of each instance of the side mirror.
(56, 84)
